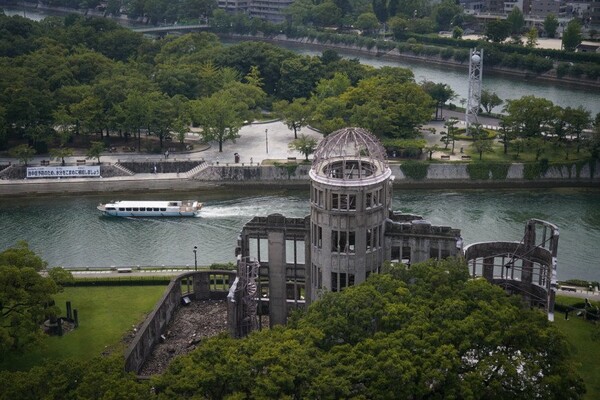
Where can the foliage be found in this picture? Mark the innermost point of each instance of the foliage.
(535, 170)
(25, 298)
(490, 100)
(497, 30)
(516, 20)
(23, 152)
(416, 170)
(95, 151)
(295, 114)
(410, 332)
(532, 38)
(441, 93)
(484, 170)
(572, 36)
(550, 25)
(102, 378)
(305, 145)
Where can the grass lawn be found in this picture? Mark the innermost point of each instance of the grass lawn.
(552, 153)
(585, 351)
(105, 315)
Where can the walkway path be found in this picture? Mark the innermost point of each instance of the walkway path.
(259, 141)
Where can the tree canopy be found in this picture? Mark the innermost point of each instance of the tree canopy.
(427, 331)
(25, 298)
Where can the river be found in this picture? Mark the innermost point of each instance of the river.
(504, 87)
(68, 231)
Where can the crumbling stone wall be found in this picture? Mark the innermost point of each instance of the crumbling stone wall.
(157, 321)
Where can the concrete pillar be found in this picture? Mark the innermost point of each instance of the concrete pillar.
(201, 286)
(488, 268)
(277, 287)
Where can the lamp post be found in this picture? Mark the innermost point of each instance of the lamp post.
(195, 259)
(267, 140)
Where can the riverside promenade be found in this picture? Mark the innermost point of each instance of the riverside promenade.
(258, 142)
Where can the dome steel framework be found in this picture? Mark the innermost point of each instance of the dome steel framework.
(350, 154)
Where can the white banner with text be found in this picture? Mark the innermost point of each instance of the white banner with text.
(78, 171)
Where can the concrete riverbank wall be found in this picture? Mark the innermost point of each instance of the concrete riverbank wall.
(438, 175)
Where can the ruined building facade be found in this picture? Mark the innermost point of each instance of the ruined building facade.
(349, 234)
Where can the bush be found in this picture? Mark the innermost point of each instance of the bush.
(562, 69)
(447, 53)
(415, 169)
(478, 171)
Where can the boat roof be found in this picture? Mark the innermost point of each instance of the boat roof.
(145, 203)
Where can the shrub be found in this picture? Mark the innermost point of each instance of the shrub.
(478, 171)
(415, 169)
(562, 69)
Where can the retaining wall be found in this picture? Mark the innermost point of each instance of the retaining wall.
(442, 175)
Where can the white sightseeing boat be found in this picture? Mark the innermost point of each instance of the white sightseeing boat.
(185, 208)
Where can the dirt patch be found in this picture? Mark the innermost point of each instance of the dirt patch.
(190, 324)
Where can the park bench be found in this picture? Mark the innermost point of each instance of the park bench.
(45, 162)
(465, 157)
(80, 162)
(445, 157)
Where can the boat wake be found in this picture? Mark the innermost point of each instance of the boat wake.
(256, 207)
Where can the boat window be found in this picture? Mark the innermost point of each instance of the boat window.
(127, 208)
(142, 208)
(121, 209)
(136, 209)
(110, 208)
(156, 209)
(163, 209)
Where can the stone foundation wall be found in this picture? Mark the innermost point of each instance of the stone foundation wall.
(156, 322)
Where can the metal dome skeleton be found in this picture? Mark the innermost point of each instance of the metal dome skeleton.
(350, 155)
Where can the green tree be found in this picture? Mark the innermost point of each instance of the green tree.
(304, 144)
(380, 10)
(532, 38)
(389, 105)
(516, 20)
(529, 115)
(441, 93)
(95, 151)
(25, 298)
(451, 132)
(489, 100)
(506, 132)
(550, 25)
(98, 378)
(332, 87)
(399, 27)
(538, 146)
(444, 13)
(431, 149)
(23, 152)
(572, 36)
(497, 30)
(427, 331)
(457, 32)
(577, 120)
(220, 116)
(481, 144)
(299, 76)
(367, 22)
(295, 114)
(59, 153)
(326, 14)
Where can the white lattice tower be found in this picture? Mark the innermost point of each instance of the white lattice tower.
(474, 95)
